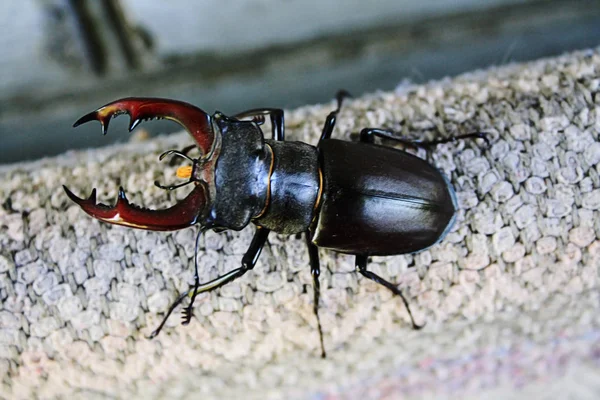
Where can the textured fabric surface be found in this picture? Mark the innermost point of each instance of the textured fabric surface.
(510, 296)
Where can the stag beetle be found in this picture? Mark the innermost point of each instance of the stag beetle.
(358, 198)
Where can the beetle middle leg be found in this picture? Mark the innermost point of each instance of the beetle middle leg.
(315, 270)
(248, 262)
(361, 267)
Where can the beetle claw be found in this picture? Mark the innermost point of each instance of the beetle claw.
(181, 215)
(197, 122)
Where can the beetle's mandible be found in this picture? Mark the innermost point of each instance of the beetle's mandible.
(358, 198)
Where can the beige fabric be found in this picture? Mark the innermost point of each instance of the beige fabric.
(510, 297)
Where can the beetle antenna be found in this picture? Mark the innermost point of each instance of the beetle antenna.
(175, 153)
(188, 311)
(182, 172)
(172, 187)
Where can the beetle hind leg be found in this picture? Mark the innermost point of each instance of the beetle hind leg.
(315, 270)
(368, 135)
(361, 267)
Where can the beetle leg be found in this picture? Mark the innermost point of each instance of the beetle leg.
(332, 117)
(367, 135)
(248, 262)
(361, 267)
(181, 215)
(188, 311)
(172, 187)
(258, 116)
(315, 270)
(197, 122)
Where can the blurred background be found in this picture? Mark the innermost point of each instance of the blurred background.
(63, 58)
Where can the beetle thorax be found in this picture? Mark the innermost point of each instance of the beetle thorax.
(294, 187)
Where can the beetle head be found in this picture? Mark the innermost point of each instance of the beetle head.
(190, 210)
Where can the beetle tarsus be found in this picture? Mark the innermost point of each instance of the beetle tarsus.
(361, 267)
(166, 317)
(367, 135)
(315, 270)
(453, 139)
(340, 96)
(477, 135)
(332, 117)
(188, 311)
(186, 314)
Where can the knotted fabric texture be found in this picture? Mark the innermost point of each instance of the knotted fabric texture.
(510, 297)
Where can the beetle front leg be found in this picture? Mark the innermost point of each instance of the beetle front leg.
(258, 114)
(332, 117)
(248, 262)
(315, 270)
(361, 267)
